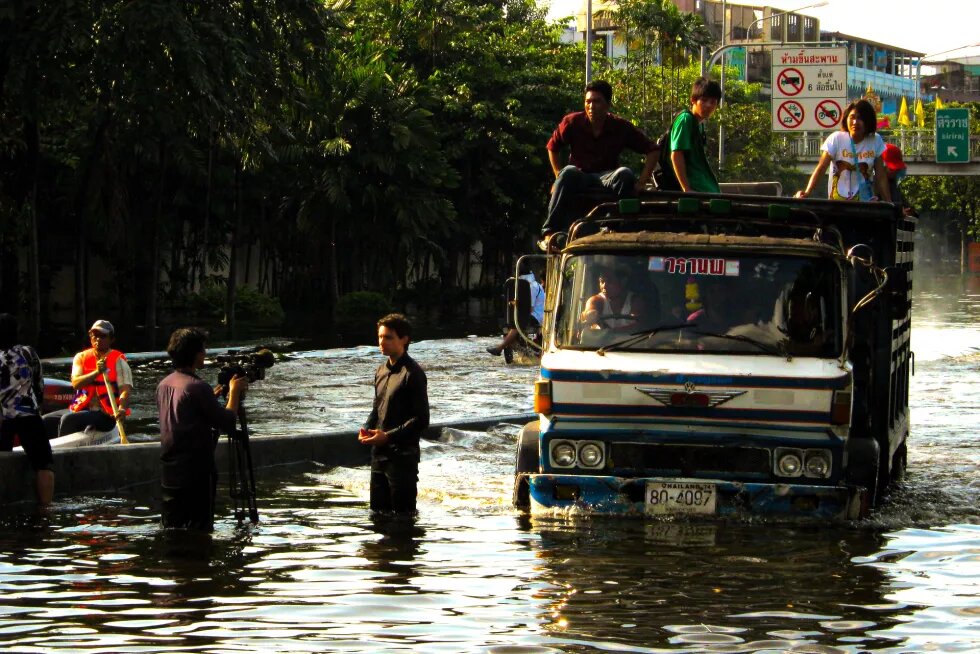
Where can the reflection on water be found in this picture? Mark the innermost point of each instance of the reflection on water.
(96, 575)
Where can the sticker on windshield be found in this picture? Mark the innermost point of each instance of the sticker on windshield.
(694, 266)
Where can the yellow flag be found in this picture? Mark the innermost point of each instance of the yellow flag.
(939, 102)
(920, 113)
(903, 114)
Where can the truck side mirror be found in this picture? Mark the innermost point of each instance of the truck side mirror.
(897, 292)
(517, 292)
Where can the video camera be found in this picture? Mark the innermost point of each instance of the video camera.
(247, 363)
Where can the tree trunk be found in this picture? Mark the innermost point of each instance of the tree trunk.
(964, 239)
(33, 252)
(81, 277)
(230, 321)
(333, 287)
(150, 315)
(202, 271)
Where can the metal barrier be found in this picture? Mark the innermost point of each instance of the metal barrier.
(918, 145)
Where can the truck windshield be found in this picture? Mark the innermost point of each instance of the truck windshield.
(701, 302)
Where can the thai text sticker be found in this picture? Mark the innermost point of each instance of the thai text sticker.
(694, 266)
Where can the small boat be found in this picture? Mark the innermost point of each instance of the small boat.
(90, 436)
(58, 395)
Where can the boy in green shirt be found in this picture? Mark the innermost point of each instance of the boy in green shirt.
(688, 140)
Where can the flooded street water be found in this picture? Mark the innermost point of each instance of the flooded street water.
(473, 575)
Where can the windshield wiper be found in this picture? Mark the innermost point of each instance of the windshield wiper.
(640, 335)
(779, 349)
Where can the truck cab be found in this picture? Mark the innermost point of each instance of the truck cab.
(714, 355)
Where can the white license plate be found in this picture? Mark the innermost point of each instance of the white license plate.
(666, 498)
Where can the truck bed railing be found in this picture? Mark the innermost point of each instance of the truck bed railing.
(709, 214)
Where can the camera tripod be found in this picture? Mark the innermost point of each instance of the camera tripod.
(241, 474)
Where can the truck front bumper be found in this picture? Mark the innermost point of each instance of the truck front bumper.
(622, 496)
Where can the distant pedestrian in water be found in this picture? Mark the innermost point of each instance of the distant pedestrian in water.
(397, 421)
(21, 398)
(853, 155)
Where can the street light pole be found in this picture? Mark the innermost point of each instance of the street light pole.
(918, 69)
(721, 50)
(588, 42)
(721, 85)
(705, 67)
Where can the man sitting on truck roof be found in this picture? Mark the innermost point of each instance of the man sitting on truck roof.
(595, 138)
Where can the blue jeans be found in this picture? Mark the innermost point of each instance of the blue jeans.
(571, 182)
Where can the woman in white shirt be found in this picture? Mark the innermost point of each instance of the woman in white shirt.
(853, 155)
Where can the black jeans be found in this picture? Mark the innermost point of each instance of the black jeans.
(394, 481)
(75, 421)
(188, 496)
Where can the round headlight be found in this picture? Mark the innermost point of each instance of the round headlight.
(563, 454)
(790, 465)
(590, 455)
(817, 465)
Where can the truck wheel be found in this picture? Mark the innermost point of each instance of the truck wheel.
(900, 462)
(863, 466)
(525, 464)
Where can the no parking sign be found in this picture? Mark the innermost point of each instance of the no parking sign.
(809, 88)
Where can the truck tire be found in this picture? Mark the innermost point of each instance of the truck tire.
(525, 463)
(863, 466)
(899, 462)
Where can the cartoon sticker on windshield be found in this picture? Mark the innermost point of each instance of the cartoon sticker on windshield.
(694, 266)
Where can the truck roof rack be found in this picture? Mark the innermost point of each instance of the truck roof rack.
(734, 214)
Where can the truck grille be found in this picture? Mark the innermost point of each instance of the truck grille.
(689, 459)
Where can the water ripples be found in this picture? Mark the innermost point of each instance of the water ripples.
(472, 575)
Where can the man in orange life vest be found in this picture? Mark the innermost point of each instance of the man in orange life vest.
(91, 405)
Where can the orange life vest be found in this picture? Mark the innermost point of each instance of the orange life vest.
(84, 395)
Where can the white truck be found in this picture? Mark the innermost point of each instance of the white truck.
(720, 354)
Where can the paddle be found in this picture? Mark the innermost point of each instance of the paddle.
(115, 408)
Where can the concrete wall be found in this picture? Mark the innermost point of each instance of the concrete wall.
(118, 469)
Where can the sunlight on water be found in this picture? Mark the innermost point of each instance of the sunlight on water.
(472, 575)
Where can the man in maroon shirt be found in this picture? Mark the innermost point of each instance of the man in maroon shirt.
(595, 138)
(190, 420)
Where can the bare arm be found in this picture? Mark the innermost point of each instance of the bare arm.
(648, 165)
(881, 181)
(593, 309)
(680, 169)
(236, 388)
(79, 379)
(818, 172)
(555, 162)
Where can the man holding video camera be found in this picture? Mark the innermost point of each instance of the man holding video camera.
(191, 419)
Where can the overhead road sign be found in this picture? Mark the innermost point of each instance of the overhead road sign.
(952, 136)
(815, 81)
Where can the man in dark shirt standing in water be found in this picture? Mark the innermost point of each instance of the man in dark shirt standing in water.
(397, 421)
(189, 415)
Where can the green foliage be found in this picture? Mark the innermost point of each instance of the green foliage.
(250, 305)
(358, 310)
(655, 74)
(323, 147)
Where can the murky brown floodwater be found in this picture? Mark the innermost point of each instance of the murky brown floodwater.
(471, 575)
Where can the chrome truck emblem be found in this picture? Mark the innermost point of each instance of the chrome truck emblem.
(690, 396)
